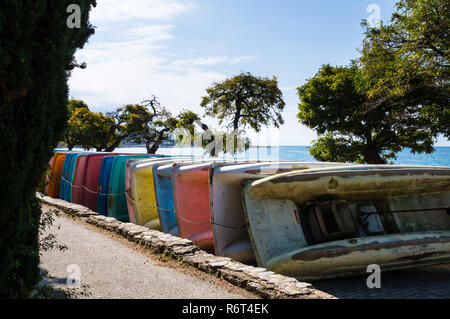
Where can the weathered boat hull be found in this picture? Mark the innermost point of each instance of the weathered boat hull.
(335, 222)
(342, 258)
(231, 237)
(117, 202)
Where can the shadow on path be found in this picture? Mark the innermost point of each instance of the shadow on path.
(419, 283)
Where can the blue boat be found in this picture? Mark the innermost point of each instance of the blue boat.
(164, 199)
(67, 175)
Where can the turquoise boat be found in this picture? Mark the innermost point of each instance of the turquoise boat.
(103, 185)
(117, 201)
(333, 222)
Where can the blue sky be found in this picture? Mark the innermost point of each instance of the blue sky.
(175, 49)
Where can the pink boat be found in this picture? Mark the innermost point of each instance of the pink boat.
(77, 181)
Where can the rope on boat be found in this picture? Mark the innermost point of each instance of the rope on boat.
(209, 221)
(148, 206)
(90, 191)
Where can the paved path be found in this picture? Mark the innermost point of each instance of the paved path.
(113, 270)
(418, 283)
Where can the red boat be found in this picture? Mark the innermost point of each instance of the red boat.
(192, 203)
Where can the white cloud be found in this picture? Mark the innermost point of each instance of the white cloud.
(149, 33)
(127, 62)
(124, 10)
(209, 61)
(132, 69)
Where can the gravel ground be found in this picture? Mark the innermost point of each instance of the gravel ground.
(109, 268)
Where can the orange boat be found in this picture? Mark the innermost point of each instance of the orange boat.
(53, 179)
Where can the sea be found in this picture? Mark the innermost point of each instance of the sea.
(440, 157)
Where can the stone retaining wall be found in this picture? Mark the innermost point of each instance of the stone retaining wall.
(258, 280)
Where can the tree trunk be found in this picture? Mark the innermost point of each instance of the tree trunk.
(158, 142)
(237, 116)
(373, 156)
(147, 146)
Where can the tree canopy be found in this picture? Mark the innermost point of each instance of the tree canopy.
(73, 133)
(334, 102)
(407, 61)
(395, 96)
(245, 100)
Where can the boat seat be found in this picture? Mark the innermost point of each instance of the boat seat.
(331, 221)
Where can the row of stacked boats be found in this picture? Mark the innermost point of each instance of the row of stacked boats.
(309, 220)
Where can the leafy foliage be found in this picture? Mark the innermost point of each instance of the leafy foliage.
(36, 56)
(334, 103)
(396, 96)
(245, 100)
(408, 61)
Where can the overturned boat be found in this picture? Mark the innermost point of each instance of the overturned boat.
(227, 214)
(331, 222)
(53, 178)
(191, 186)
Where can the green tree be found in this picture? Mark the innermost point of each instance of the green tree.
(334, 103)
(245, 100)
(407, 61)
(72, 134)
(93, 130)
(36, 55)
